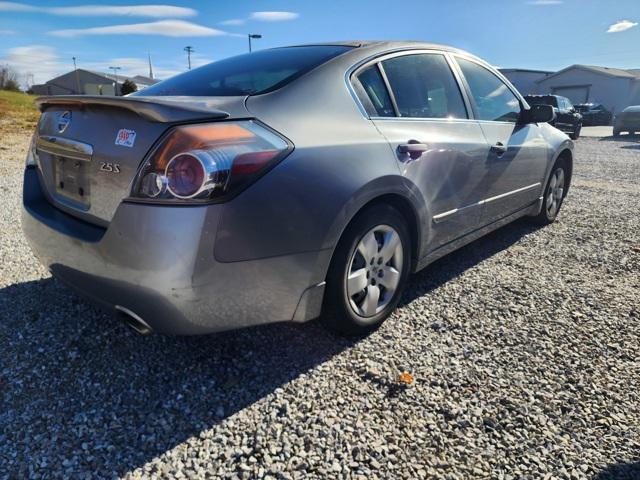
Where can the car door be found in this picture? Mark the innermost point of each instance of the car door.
(566, 118)
(518, 153)
(417, 104)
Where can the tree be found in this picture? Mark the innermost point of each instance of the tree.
(128, 87)
(8, 79)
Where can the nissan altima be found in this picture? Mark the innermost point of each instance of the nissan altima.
(286, 184)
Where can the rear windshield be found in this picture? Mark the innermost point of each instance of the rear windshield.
(249, 74)
(542, 101)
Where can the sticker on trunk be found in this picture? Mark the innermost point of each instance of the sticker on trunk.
(126, 138)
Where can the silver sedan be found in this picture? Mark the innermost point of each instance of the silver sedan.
(285, 184)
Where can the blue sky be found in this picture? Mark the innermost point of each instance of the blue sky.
(40, 37)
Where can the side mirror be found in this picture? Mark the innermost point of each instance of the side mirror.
(539, 114)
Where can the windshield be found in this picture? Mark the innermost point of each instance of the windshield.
(249, 74)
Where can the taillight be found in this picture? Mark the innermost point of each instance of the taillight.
(208, 162)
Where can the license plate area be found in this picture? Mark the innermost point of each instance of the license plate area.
(72, 180)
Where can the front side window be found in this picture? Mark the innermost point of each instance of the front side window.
(424, 86)
(493, 99)
(376, 91)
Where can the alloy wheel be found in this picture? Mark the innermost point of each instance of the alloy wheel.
(374, 271)
(555, 192)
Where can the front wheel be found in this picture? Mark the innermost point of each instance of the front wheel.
(576, 132)
(368, 271)
(554, 195)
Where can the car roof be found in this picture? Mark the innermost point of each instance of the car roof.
(387, 45)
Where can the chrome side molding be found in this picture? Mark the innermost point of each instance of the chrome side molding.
(445, 215)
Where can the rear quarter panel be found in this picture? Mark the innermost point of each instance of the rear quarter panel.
(340, 162)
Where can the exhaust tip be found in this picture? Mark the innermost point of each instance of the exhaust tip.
(133, 321)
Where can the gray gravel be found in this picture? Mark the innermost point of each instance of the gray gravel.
(524, 347)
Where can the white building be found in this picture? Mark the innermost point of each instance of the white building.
(612, 87)
(86, 82)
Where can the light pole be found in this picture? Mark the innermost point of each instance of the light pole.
(189, 51)
(252, 35)
(75, 69)
(115, 71)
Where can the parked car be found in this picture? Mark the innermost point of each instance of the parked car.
(627, 121)
(567, 118)
(594, 114)
(285, 184)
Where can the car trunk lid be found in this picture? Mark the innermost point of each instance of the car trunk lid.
(89, 148)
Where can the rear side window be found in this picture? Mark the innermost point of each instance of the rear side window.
(376, 92)
(248, 74)
(424, 86)
(494, 101)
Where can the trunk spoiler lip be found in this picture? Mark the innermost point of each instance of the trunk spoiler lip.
(154, 109)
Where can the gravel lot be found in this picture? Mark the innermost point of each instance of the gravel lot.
(524, 347)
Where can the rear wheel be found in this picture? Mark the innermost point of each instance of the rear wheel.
(554, 194)
(616, 133)
(368, 271)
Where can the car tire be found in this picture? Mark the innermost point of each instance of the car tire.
(616, 133)
(368, 271)
(576, 132)
(554, 193)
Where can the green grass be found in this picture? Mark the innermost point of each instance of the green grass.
(17, 111)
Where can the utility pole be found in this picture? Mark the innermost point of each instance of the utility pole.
(115, 71)
(252, 35)
(150, 66)
(189, 51)
(75, 69)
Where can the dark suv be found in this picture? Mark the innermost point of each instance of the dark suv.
(594, 114)
(567, 118)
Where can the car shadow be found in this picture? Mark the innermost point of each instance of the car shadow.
(620, 471)
(621, 138)
(81, 393)
(457, 262)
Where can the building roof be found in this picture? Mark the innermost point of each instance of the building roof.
(611, 72)
(109, 77)
(141, 79)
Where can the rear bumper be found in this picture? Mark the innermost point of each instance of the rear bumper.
(158, 262)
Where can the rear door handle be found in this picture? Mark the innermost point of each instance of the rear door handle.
(499, 149)
(413, 149)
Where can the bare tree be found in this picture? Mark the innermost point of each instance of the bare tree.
(8, 78)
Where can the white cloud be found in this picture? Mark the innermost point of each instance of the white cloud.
(167, 28)
(233, 22)
(16, 7)
(40, 61)
(545, 2)
(273, 16)
(155, 11)
(621, 26)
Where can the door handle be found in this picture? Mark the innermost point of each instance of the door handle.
(412, 149)
(499, 149)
